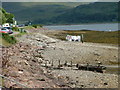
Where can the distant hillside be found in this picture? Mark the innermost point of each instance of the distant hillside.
(90, 13)
(64, 13)
(42, 11)
(70, 4)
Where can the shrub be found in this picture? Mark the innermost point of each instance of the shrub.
(15, 29)
(37, 25)
(40, 25)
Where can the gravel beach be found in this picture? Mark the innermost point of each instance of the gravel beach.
(52, 52)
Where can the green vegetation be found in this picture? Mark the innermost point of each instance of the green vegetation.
(15, 29)
(90, 13)
(21, 31)
(37, 25)
(70, 4)
(8, 38)
(91, 36)
(4, 42)
(39, 13)
(64, 13)
(28, 27)
(5, 17)
(20, 34)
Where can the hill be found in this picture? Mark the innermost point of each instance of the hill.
(90, 13)
(63, 13)
(42, 11)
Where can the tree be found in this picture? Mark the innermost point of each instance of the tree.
(5, 17)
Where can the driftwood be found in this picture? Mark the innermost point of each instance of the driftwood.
(97, 68)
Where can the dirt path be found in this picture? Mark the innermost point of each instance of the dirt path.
(15, 33)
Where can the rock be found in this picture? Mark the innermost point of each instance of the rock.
(73, 82)
(39, 60)
(105, 83)
(44, 71)
(33, 60)
(22, 50)
(82, 85)
(26, 63)
(13, 74)
(20, 72)
(96, 54)
(41, 79)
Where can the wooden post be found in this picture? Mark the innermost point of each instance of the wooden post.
(59, 63)
(71, 64)
(82, 38)
(45, 63)
(52, 63)
(87, 66)
(65, 63)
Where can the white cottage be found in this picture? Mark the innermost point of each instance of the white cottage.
(73, 38)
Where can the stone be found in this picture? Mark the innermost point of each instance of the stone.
(105, 83)
(73, 82)
(14, 74)
(42, 79)
(22, 50)
(26, 63)
(20, 72)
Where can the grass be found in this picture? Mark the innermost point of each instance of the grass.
(4, 42)
(19, 35)
(91, 36)
(114, 63)
(8, 38)
(28, 27)
(112, 70)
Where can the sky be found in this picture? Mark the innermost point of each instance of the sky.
(59, 0)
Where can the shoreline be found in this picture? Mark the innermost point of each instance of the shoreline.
(101, 37)
(82, 24)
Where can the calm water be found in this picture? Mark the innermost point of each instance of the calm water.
(97, 27)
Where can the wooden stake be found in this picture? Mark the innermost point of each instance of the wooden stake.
(52, 63)
(65, 63)
(71, 64)
(45, 63)
(59, 63)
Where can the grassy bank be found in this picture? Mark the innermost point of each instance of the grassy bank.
(7, 40)
(90, 36)
(4, 42)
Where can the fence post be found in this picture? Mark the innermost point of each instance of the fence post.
(71, 64)
(59, 63)
(82, 38)
(52, 63)
(46, 64)
(65, 63)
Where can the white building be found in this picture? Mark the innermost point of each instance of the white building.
(73, 38)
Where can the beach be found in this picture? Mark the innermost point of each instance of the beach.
(47, 52)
